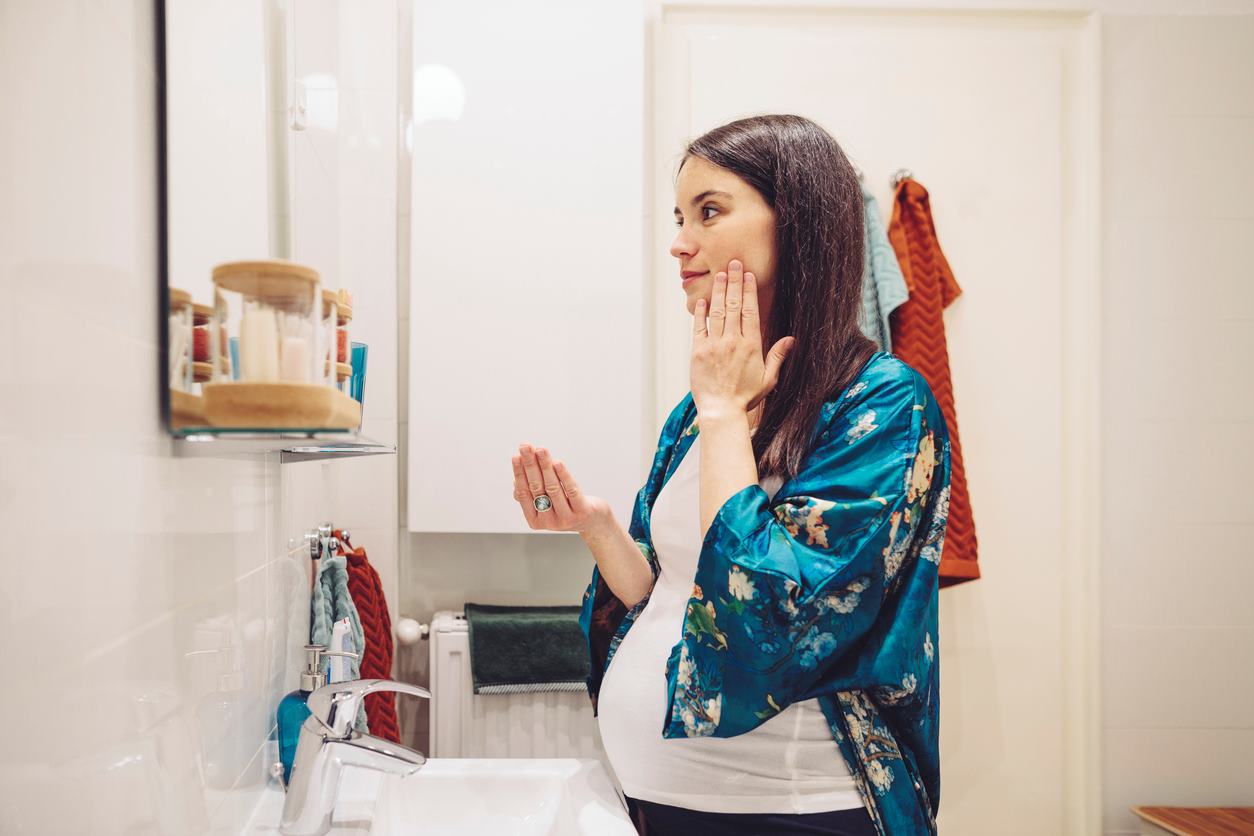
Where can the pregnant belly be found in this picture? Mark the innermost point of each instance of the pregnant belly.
(792, 752)
(633, 692)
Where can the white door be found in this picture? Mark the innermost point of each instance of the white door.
(995, 115)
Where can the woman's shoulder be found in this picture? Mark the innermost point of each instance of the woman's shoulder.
(888, 393)
(885, 380)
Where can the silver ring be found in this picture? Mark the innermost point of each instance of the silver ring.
(542, 502)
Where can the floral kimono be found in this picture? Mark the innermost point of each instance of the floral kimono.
(828, 590)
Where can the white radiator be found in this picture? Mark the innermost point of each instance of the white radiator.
(469, 725)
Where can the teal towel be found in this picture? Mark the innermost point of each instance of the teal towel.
(883, 285)
(518, 650)
(331, 602)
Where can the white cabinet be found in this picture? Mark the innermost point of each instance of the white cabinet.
(527, 302)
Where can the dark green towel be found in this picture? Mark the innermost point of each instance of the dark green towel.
(517, 650)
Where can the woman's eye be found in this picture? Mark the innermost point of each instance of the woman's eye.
(680, 221)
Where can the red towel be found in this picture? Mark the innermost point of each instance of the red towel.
(918, 331)
(372, 608)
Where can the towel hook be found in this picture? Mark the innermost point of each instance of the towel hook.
(902, 174)
(319, 539)
(325, 531)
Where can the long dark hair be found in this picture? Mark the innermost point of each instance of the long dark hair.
(803, 174)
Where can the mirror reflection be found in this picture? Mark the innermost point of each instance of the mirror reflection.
(258, 329)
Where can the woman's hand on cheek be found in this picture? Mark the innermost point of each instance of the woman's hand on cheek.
(729, 375)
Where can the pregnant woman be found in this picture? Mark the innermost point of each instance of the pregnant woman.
(763, 634)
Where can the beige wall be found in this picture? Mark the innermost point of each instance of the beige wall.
(1177, 639)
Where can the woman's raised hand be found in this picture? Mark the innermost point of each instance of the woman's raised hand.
(728, 372)
(536, 473)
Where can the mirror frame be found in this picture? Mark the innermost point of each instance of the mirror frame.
(163, 221)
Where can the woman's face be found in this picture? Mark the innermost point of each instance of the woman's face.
(721, 217)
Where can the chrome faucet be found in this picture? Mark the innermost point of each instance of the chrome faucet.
(328, 742)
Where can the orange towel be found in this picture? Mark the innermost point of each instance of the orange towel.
(918, 331)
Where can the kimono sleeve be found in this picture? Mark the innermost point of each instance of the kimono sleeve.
(789, 590)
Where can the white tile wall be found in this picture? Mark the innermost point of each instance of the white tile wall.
(1178, 410)
(128, 569)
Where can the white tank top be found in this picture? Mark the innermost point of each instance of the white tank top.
(789, 764)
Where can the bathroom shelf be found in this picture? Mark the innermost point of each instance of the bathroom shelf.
(295, 445)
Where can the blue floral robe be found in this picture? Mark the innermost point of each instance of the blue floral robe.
(829, 590)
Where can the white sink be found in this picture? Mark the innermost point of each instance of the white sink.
(473, 796)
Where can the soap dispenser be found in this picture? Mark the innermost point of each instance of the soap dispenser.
(293, 708)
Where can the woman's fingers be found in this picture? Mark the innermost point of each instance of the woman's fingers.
(569, 486)
(718, 310)
(699, 312)
(750, 325)
(535, 473)
(735, 297)
(522, 493)
(531, 468)
(552, 486)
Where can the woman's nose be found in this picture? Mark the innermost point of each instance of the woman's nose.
(681, 246)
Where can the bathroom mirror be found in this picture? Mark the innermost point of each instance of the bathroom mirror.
(225, 170)
(260, 345)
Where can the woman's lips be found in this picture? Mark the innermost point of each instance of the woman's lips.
(694, 278)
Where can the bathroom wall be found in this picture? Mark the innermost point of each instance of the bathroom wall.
(1177, 643)
(152, 601)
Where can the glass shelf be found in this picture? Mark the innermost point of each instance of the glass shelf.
(292, 445)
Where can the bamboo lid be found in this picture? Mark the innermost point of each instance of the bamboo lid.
(346, 305)
(343, 370)
(179, 298)
(282, 284)
(330, 304)
(201, 314)
(202, 370)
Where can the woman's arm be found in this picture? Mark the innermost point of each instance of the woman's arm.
(823, 587)
(727, 462)
(622, 564)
